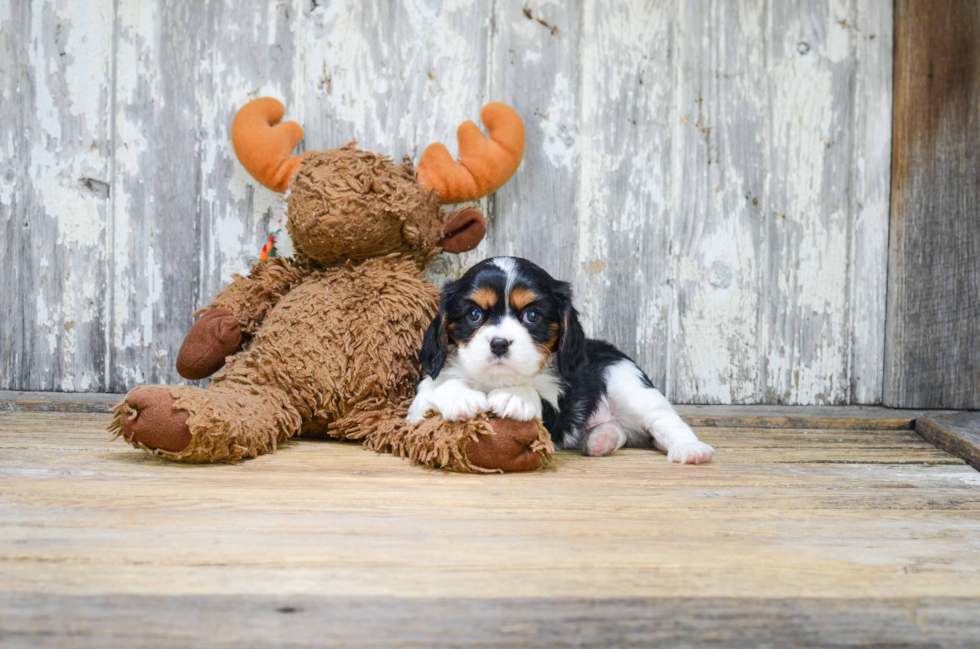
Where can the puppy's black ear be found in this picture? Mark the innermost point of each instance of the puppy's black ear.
(571, 337)
(432, 356)
(435, 344)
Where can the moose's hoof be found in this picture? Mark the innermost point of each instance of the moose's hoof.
(216, 335)
(510, 449)
(154, 423)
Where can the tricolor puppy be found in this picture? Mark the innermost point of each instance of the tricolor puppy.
(507, 341)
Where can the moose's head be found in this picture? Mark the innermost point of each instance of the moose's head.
(347, 204)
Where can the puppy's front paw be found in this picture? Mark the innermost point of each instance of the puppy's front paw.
(416, 412)
(691, 453)
(508, 405)
(464, 404)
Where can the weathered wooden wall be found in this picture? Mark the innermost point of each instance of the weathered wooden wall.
(933, 326)
(713, 176)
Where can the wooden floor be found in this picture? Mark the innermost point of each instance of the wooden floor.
(792, 536)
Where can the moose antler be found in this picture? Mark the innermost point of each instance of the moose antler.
(263, 145)
(485, 164)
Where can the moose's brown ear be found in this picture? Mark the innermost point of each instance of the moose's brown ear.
(464, 231)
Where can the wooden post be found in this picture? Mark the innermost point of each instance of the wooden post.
(932, 345)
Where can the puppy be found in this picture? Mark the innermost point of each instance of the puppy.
(507, 341)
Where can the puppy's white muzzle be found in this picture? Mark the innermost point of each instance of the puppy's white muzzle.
(500, 350)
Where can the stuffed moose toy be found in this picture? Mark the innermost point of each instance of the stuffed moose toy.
(325, 342)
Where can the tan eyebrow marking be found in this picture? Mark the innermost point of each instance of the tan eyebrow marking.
(485, 297)
(521, 297)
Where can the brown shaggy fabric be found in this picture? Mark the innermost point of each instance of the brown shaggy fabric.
(250, 298)
(481, 445)
(348, 205)
(331, 336)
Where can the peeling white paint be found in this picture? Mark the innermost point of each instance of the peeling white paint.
(50, 188)
(683, 169)
(560, 139)
(136, 264)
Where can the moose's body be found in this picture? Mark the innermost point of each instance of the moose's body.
(326, 342)
(349, 338)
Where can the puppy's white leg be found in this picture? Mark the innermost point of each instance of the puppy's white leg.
(604, 440)
(420, 404)
(519, 402)
(643, 408)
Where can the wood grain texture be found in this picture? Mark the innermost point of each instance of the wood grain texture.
(185, 214)
(870, 168)
(932, 358)
(535, 66)
(624, 199)
(396, 77)
(722, 175)
(55, 142)
(58, 401)
(792, 537)
(35, 622)
(780, 514)
(712, 177)
(820, 417)
(956, 433)
(808, 219)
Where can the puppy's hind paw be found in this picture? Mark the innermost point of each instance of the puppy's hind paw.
(691, 453)
(604, 440)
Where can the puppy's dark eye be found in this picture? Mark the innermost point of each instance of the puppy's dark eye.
(475, 315)
(530, 317)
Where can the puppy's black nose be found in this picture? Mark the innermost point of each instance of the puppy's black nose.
(499, 346)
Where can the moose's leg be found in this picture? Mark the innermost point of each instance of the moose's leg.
(223, 423)
(480, 445)
(234, 315)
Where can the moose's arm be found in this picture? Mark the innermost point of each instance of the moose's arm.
(234, 314)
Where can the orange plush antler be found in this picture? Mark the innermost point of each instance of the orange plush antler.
(263, 145)
(485, 164)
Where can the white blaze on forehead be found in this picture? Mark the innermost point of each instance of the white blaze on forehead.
(509, 266)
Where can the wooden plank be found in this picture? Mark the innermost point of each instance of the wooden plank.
(185, 214)
(766, 416)
(623, 200)
(871, 30)
(319, 620)
(778, 515)
(535, 67)
(932, 359)
(808, 221)
(58, 401)
(776, 88)
(816, 417)
(721, 185)
(957, 433)
(56, 87)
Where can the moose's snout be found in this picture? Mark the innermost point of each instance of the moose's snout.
(499, 346)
